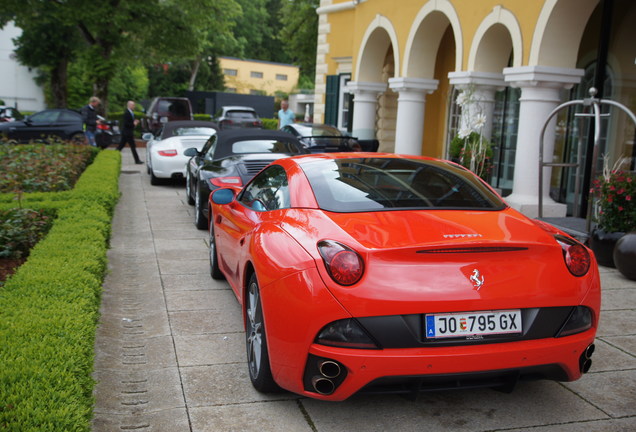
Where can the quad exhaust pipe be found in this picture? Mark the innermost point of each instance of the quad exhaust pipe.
(585, 361)
(324, 383)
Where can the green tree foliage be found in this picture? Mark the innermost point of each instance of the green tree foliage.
(298, 34)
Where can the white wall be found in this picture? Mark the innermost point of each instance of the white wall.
(17, 85)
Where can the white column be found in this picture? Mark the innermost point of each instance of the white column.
(484, 86)
(365, 103)
(540, 94)
(409, 129)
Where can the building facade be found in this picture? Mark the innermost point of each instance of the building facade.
(258, 77)
(397, 72)
(17, 82)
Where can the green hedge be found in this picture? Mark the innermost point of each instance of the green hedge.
(49, 308)
(271, 124)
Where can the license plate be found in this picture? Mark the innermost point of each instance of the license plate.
(473, 324)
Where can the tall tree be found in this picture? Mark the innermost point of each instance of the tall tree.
(299, 33)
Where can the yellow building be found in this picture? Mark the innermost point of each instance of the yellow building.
(394, 70)
(258, 77)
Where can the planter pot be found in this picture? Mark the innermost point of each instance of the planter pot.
(602, 244)
(625, 255)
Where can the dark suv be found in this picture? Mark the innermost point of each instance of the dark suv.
(165, 109)
(236, 117)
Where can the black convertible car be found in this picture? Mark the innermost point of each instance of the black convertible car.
(232, 158)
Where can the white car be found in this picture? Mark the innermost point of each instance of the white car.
(164, 152)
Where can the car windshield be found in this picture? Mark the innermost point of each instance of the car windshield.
(185, 131)
(367, 184)
(264, 146)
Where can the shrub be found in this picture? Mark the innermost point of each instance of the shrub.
(21, 229)
(203, 117)
(49, 308)
(42, 168)
(271, 124)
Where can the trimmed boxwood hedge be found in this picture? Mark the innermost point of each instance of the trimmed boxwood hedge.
(49, 308)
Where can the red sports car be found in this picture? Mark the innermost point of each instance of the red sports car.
(386, 273)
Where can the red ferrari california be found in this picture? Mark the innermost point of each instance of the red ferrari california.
(367, 272)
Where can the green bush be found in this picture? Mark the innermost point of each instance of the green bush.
(49, 308)
(42, 168)
(21, 229)
(202, 117)
(271, 124)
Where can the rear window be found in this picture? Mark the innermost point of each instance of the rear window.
(368, 184)
(241, 115)
(264, 146)
(186, 131)
(175, 108)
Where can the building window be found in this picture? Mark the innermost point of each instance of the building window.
(230, 89)
(254, 74)
(281, 77)
(257, 92)
(230, 72)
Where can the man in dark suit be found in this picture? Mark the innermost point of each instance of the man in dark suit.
(127, 130)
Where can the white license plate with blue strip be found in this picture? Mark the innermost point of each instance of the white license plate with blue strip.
(482, 323)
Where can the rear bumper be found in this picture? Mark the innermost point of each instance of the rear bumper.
(437, 368)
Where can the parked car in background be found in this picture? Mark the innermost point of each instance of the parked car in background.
(61, 123)
(322, 138)
(163, 110)
(9, 114)
(165, 158)
(235, 117)
(232, 157)
(389, 274)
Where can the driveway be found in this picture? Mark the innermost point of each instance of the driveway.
(170, 351)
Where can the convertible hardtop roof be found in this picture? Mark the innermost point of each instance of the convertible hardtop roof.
(169, 128)
(227, 137)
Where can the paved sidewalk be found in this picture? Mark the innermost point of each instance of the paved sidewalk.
(170, 351)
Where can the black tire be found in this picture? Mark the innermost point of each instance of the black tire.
(256, 342)
(189, 188)
(200, 221)
(154, 180)
(215, 271)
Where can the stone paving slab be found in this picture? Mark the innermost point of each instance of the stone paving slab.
(271, 416)
(195, 375)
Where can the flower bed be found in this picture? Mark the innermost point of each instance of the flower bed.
(49, 307)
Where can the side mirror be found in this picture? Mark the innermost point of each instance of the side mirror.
(163, 120)
(147, 136)
(222, 196)
(190, 152)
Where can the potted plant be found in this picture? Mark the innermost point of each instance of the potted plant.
(614, 211)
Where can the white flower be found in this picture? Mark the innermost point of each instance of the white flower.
(462, 99)
(479, 122)
(464, 132)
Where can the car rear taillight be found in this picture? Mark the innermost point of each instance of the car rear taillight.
(345, 266)
(226, 181)
(576, 256)
(167, 152)
(103, 126)
(345, 333)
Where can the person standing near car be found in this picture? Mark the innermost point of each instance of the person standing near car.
(285, 115)
(89, 116)
(128, 130)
